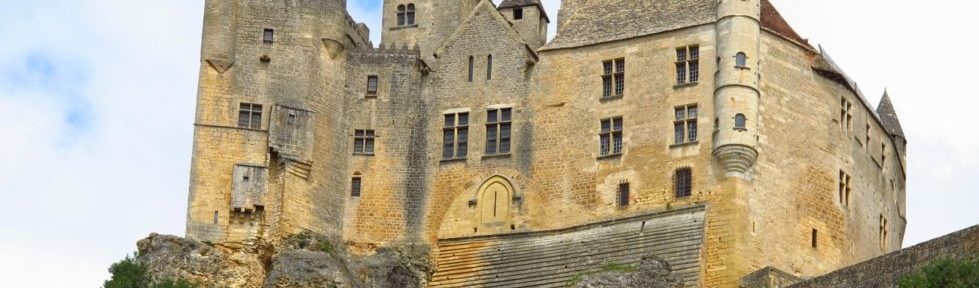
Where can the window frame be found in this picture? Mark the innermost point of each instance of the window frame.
(268, 35)
(740, 122)
(613, 78)
(498, 125)
(402, 13)
(356, 186)
(376, 84)
(251, 112)
(611, 138)
(687, 65)
(364, 139)
(410, 15)
(686, 128)
(623, 194)
(741, 60)
(518, 13)
(459, 148)
(683, 182)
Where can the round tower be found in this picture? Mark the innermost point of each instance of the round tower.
(736, 91)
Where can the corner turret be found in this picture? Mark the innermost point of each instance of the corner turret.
(891, 123)
(736, 86)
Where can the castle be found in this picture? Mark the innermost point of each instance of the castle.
(707, 128)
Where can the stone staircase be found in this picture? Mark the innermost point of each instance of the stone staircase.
(555, 258)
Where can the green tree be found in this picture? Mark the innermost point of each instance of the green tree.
(944, 273)
(129, 273)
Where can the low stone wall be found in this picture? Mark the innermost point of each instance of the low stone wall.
(885, 271)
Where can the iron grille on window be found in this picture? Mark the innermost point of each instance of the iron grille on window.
(455, 136)
(613, 78)
(623, 194)
(683, 182)
(364, 142)
(685, 124)
(268, 36)
(498, 123)
(372, 85)
(687, 64)
(355, 187)
(250, 116)
(611, 136)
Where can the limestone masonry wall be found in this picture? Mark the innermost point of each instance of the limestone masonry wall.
(407, 143)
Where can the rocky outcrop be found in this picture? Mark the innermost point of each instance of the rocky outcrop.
(653, 272)
(300, 261)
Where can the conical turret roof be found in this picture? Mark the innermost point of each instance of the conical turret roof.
(889, 117)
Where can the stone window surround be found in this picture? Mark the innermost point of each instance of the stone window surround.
(376, 84)
(250, 115)
(687, 65)
(613, 79)
(683, 182)
(498, 125)
(356, 186)
(611, 142)
(365, 140)
(455, 129)
(268, 35)
(685, 123)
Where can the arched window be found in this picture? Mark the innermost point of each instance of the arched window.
(740, 122)
(489, 67)
(683, 182)
(401, 15)
(411, 14)
(471, 67)
(741, 60)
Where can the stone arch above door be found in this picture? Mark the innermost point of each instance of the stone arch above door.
(494, 201)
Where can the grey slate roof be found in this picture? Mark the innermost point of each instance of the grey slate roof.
(553, 258)
(889, 117)
(601, 21)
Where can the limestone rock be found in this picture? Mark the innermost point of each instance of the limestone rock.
(653, 273)
(303, 268)
(172, 257)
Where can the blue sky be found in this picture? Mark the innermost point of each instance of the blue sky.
(97, 100)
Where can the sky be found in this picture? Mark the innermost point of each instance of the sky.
(97, 105)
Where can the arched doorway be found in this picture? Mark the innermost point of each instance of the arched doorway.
(494, 199)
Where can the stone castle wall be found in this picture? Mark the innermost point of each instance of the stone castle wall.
(312, 84)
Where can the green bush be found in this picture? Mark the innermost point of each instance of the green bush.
(944, 272)
(131, 274)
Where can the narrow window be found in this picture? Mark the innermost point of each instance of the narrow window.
(215, 217)
(489, 67)
(844, 189)
(355, 187)
(250, 116)
(687, 64)
(741, 60)
(846, 115)
(292, 117)
(685, 124)
(472, 63)
(815, 234)
(268, 36)
(740, 122)
(882, 233)
(518, 13)
(372, 85)
(607, 79)
(868, 136)
(883, 154)
(623, 195)
(611, 137)
(498, 124)
(411, 14)
(455, 136)
(401, 15)
(683, 182)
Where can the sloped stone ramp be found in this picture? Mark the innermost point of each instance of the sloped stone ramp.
(554, 258)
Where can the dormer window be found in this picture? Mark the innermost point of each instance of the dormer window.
(518, 13)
